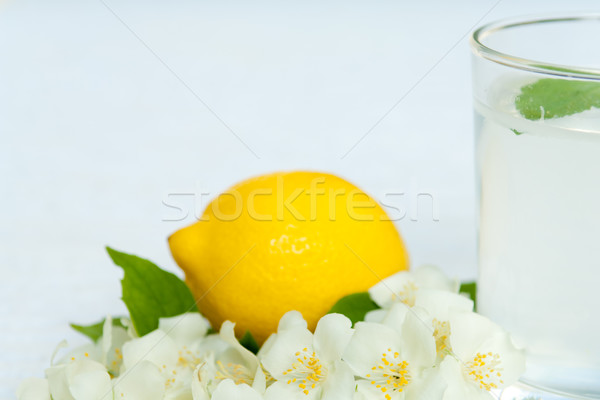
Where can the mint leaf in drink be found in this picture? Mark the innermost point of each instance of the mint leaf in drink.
(354, 306)
(554, 98)
(151, 293)
(94, 331)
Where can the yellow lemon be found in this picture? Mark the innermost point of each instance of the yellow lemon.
(285, 241)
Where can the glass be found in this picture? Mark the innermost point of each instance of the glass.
(536, 87)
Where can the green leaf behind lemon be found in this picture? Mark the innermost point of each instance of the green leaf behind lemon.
(151, 293)
(94, 331)
(354, 306)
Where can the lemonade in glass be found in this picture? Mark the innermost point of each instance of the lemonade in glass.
(536, 86)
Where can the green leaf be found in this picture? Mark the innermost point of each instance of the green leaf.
(516, 132)
(151, 293)
(211, 331)
(555, 98)
(470, 289)
(94, 331)
(249, 342)
(354, 306)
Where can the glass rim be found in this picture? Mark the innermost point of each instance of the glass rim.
(537, 66)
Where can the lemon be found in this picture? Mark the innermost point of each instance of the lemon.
(285, 241)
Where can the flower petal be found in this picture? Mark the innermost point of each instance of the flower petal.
(282, 391)
(211, 344)
(369, 342)
(186, 328)
(440, 303)
(58, 383)
(228, 390)
(156, 347)
(458, 388)
(332, 335)
(266, 345)
(88, 380)
(451, 372)
(468, 332)
(396, 316)
(142, 382)
(260, 381)
(61, 345)
(512, 360)
(181, 393)
(33, 389)
(201, 379)
(90, 351)
(376, 315)
(431, 277)
(418, 343)
(370, 391)
(106, 340)
(227, 333)
(282, 352)
(291, 320)
(340, 382)
(114, 356)
(358, 395)
(431, 386)
(384, 292)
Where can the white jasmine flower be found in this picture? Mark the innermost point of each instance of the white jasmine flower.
(111, 344)
(433, 308)
(473, 355)
(426, 344)
(79, 379)
(440, 306)
(405, 286)
(307, 366)
(106, 351)
(290, 320)
(83, 372)
(172, 353)
(391, 361)
(483, 358)
(232, 363)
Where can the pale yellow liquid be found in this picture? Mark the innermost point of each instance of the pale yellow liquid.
(539, 243)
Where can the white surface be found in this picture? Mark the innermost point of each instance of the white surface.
(95, 132)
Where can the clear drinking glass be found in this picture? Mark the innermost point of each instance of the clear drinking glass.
(536, 86)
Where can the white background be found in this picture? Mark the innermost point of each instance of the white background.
(96, 132)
